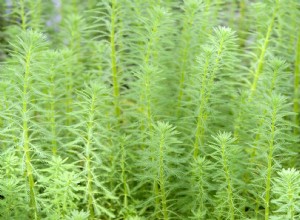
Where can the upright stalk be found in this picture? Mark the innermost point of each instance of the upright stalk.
(36, 16)
(241, 22)
(185, 51)
(113, 57)
(52, 115)
(147, 62)
(205, 92)
(261, 60)
(201, 115)
(26, 143)
(259, 68)
(88, 156)
(228, 180)
(162, 180)
(227, 151)
(296, 86)
(124, 176)
(270, 167)
(23, 15)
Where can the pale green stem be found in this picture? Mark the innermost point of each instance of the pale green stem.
(261, 60)
(36, 8)
(228, 182)
(202, 115)
(162, 180)
(146, 61)
(26, 144)
(113, 57)
(184, 56)
(69, 101)
(259, 68)
(262, 120)
(292, 204)
(23, 15)
(241, 22)
(124, 177)
(296, 86)
(52, 116)
(88, 155)
(270, 168)
(200, 118)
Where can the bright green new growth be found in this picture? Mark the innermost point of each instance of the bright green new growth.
(286, 189)
(224, 153)
(161, 166)
(200, 186)
(91, 135)
(212, 58)
(259, 68)
(27, 50)
(189, 41)
(146, 109)
(273, 123)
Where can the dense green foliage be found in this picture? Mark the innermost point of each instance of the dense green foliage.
(149, 109)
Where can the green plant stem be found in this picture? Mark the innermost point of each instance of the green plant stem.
(257, 205)
(145, 98)
(261, 60)
(23, 15)
(146, 63)
(188, 23)
(259, 68)
(69, 96)
(113, 57)
(296, 86)
(153, 38)
(228, 181)
(205, 92)
(162, 177)
(270, 167)
(88, 155)
(207, 17)
(36, 18)
(150, 44)
(262, 120)
(258, 137)
(291, 200)
(74, 5)
(239, 118)
(200, 120)
(2, 107)
(199, 175)
(182, 80)
(52, 117)
(124, 177)
(241, 23)
(26, 144)
(90, 189)
(53, 130)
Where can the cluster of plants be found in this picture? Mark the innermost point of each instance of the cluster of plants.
(149, 109)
